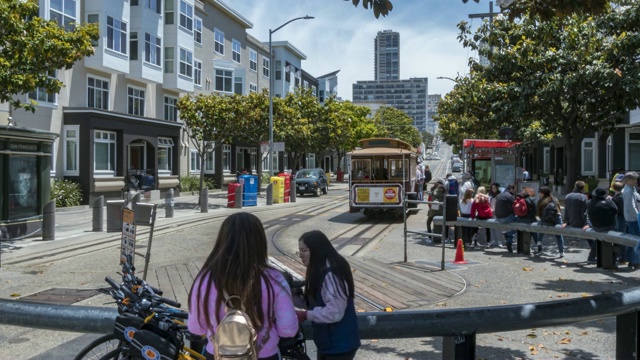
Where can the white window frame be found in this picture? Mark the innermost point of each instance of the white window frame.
(588, 144)
(170, 108)
(152, 49)
(117, 35)
(253, 60)
(136, 96)
(265, 67)
(167, 145)
(186, 16)
(253, 88)
(186, 63)
(311, 160)
(134, 50)
(218, 41)
(609, 156)
(98, 92)
(236, 48)
(197, 72)
(153, 5)
(42, 96)
(209, 162)
(227, 79)
(68, 169)
(93, 18)
(226, 158)
(194, 161)
(546, 160)
(169, 12)
(63, 16)
(111, 140)
(238, 85)
(169, 60)
(197, 30)
(630, 142)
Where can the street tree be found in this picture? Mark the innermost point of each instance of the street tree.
(568, 77)
(349, 123)
(32, 49)
(379, 7)
(210, 120)
(299, 126)
(253, 121)
(395, 123)
(550, 9)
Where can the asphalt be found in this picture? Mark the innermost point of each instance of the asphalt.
(493, 277)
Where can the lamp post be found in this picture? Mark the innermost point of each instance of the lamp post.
(448, 78)
(271, 80)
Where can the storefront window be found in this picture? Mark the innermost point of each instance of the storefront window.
(23, 189)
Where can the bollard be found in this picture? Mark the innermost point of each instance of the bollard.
(269, 192)
(294, 192)
(49, 221)
(238, 204)
(204, 200)
(98, 214)
(114, 215)
(135, 200)
(168, 204)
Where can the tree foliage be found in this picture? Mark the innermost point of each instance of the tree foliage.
(566, 76)
(395, 123)
(551, 9)
(32, 48)
(379, 7)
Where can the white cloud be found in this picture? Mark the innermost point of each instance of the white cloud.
(341, 36)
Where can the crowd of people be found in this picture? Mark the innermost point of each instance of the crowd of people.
(616, 208)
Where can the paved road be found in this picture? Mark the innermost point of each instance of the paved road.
(492, 278)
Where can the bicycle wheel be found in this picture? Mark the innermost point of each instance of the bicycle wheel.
(99, 348)
(112, 355)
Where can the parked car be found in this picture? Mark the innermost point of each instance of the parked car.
(456, 166)
(311, 181)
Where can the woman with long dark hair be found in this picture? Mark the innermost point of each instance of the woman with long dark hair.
(237, 266)
(329, 291)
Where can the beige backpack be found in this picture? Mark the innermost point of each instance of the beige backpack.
(235, 337)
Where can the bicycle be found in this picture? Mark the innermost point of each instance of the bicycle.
(147, 323)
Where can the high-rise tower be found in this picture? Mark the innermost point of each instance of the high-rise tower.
(387, 55)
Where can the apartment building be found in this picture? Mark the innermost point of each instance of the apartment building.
(117, 114)
(408, 95)
(432, 110)
(386, 54)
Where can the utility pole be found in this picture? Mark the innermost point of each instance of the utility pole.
(484, 15)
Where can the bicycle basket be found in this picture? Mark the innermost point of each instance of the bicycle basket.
(126, 326)
(151, 343)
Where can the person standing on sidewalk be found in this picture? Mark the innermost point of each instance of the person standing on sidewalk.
(504, 213)
(543, 207)
(621, 224)
(631, 198)
(238, 266)
(465, 211)
(437, 193)
(496, 234)
(575, 214)
(329, 291)
(529, 196)
(419, 182)
(601, 216)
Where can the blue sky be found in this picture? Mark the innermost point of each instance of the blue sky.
(341, 36)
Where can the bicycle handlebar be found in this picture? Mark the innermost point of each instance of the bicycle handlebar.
(127, 292)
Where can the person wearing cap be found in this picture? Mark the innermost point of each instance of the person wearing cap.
(631, 198)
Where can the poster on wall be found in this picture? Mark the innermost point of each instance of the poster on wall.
(128, 246)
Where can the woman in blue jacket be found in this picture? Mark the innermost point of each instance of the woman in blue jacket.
(329, 292)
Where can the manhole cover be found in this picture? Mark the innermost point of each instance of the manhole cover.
(60, 296)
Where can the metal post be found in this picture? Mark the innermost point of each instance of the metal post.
(49, 221)
(271, 78)
(404, 220)
(459, 346)
(168, 204)
(293, 192)
(204, 200)
(98, 213)
(135, 200)
(239, 190)
(627, 339)
(444, 230)
(147, 257)
(269, 194)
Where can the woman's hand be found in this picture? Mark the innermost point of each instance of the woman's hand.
(301, 315)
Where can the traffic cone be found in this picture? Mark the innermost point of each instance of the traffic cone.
(459, 253)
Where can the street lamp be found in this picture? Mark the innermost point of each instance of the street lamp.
(271, 80)
(448, 78)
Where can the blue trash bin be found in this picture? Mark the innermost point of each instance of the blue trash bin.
(249, 190)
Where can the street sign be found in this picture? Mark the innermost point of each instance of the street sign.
(128, 247)
(278, 146)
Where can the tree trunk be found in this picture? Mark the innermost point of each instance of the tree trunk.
(573, 161)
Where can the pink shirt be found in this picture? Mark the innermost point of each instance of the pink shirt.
(286, 323)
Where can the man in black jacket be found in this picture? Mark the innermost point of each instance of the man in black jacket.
(504, 213)
(601, 215)
(529, 195)
(575, 208)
